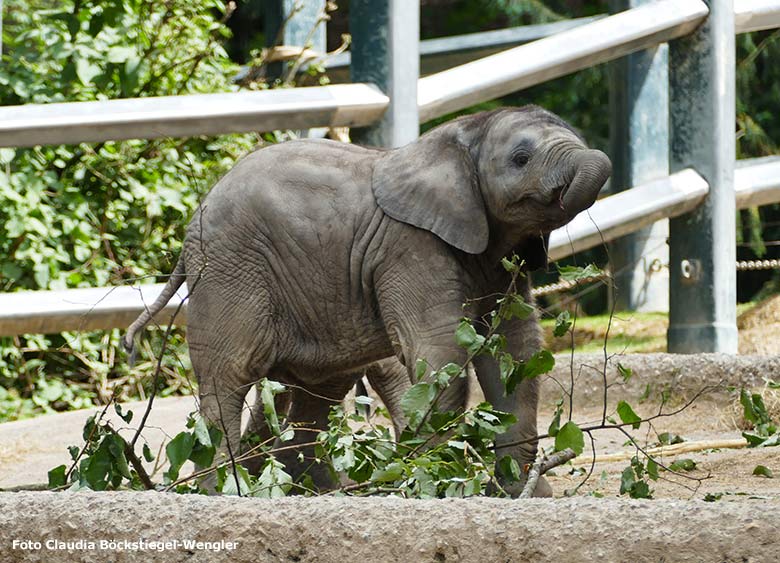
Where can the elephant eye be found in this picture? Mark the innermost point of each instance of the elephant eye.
(520, 158)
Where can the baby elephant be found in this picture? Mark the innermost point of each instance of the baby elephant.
(311, 260)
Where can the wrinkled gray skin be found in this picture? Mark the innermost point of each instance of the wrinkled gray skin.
(310, 261)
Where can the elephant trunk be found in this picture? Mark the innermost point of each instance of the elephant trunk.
(592, 168)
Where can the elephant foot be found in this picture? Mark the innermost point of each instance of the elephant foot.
(542, 490)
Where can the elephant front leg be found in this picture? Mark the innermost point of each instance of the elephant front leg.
(390, 380)
(519, 442)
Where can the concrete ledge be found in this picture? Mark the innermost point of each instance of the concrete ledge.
(387, 529)
(683, 374)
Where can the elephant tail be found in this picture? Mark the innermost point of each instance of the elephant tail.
(175, 281)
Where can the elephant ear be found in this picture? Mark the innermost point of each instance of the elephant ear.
(432, 184)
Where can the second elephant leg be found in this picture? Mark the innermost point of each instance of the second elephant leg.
(309, 410)
(390, 379)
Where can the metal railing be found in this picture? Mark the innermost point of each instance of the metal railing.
(340, 105)
(757, 181)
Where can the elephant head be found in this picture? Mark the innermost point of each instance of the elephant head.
(492, 180)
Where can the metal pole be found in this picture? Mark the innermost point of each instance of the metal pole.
(302, 25)
(639, 138)
(385, 51)
(702, 314)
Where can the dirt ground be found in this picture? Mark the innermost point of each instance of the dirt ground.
(678, 525)
(723, 472)
(29, 448)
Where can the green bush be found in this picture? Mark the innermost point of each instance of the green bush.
(92, 215)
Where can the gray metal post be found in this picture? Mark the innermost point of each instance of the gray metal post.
(702, 315)
(299, 18)
(385, 52)
(639, 139)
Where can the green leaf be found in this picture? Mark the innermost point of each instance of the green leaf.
(147, 453)
(7, 155)
(201, 431)
(201, 455)
(86, 71)
(120, 53)
(116, 445)
(96, 467)
(127, 417)
(577, 273)
(417, 400)
(178, 451)
(652, 469)
(570, 436)
(393, 472)
(363, 400)
(231, 487)
(631, 482)
(540, 363)
(627, 480)
(57, 476)
(683, 465)
(510, 266)
(420, 369)
(509, 468)
(514, 306)
(625, 373)
(667, 438)
(753, 408)
(273, 482)
(627, 415)
(760, 470)
(640, 489)
(268, 391)
(466, 337)
(562, 324)
(506, 366)
(89, 429)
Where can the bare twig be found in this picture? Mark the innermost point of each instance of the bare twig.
(669, 450)
(541, 466)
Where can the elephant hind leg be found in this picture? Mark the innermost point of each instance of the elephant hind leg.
(309, 410)
(222, 388)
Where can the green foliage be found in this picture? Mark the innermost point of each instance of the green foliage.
(627, 415)
(578, 273)
(634, 480)
(765, 431)
(684, 464)
(570, 436)
(96, 214)
(668, 438)
(448, 454)
(562, 324)
(100, 465)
